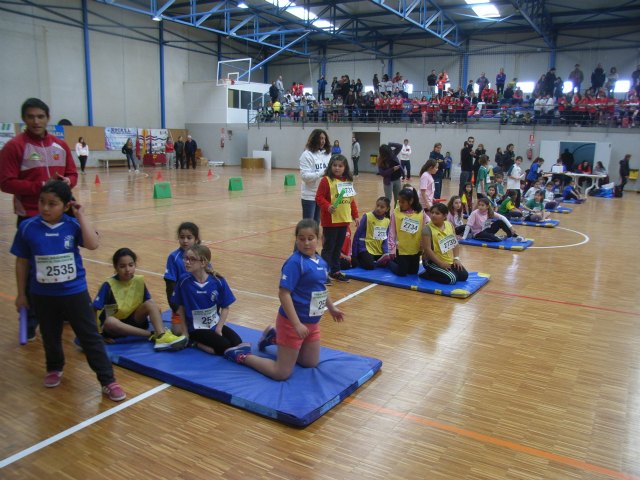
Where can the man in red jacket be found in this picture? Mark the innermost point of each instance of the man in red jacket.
(27, 162)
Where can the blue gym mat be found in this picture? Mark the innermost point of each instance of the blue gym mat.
(307, 395)
(570, 200)
(547, 224)
(561, 209)
(384, 276)
(506, 244)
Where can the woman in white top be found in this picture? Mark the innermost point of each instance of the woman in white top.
(82, 150)
(405, 159)
(313, 163)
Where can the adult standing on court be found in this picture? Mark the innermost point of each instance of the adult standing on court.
(313, 163)
(390, 170)
(466, 165)
(355, 155)
(82, 150)
(190, 147)
(27, 162)
(439, 175)
(179, 148)
(405, 159)
(624, 171)
(170, 151)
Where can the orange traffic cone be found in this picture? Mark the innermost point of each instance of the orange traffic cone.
(159, 176)
(97, 182)
(210, 174)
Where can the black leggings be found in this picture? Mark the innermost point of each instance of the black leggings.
(367, 261)
(489, 234)
(442, 275)
(170, 286)
(460, 229)
(219, 343)
(77, 310)
(83, 162)
(331, 246)
(404, 265)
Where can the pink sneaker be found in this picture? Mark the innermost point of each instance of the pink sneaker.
(52, 379)
(114, 392)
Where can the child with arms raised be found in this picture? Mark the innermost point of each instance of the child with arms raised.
(303, 299)
(440, 256)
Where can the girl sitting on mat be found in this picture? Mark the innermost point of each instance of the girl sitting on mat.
(537, 185)
(125, 307)
(571, 193)
(427, 183)
(440, 249)
(203, 298)
(492, 195)
(370, 246)
(188, 235)
(456, 214)
(467, 198)
(405, 233)
(535, 208)
(549, 196)
(484, 223)
(303, 299)
(508, 207)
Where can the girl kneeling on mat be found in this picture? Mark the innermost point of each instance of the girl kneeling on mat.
(405, 233)
(303, 298)
(484, 223)
(440, 256)
(203, 298)
(370, 246)
(125, 306)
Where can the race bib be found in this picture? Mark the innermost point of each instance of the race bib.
(347, 188)
(379, 233)
(447, 243)
(409, 225)
(55, 268)
(205, 319)
(318, 303)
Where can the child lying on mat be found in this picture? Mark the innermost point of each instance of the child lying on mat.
(440, 256)
(303, 299)
(125, 307)
(370, 247)
(203, 298)
(484, 223)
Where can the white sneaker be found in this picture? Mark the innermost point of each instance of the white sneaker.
(520, 238)
(129, 170)
(137, 171)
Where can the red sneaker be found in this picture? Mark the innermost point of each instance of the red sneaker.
(52, 379)
(114, 392)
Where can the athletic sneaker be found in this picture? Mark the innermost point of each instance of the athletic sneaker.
(52, 379)
(169, 341)
(268, 338)
(520, 239)
(238, 354)
(114, 392)
(339, 276)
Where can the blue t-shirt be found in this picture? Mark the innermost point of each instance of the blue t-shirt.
(532, 176)
(202, 301)
(568, 191)
(54, 256)
(305, 278)
(175, 265)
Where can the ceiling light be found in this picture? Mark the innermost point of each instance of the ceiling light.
(156, 18)
(475, 2)
(242, 5)
(486, 10)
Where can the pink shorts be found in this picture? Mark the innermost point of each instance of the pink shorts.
(287, 337)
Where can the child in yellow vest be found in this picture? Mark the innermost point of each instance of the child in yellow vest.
(405, 233)
(336, 198)
(440, 248)
(125, 306)
(370, 247)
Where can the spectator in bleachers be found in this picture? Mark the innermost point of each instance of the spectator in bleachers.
(549, 82)
(443, 79)
(501, 78)
(598, 78)
(322, 85)
(432, 81)
(482, 82)
(612, 79)
(576, 77)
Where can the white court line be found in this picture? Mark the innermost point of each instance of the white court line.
(354, 294)
(80, 426)
(586, 239)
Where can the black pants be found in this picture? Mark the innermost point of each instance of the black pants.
(460, 229)
(332, 244)
(465, 177)
(513, 214)
(355, 164)
(367, 260)
(77, 310)
(489, 234)
(83, 161)
(406, 167)
(170, 286)
(179, 160)
(191, 159)
(442, 275)
(404, 265)
(219, 343)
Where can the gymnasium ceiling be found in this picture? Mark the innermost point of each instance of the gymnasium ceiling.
(381, 28)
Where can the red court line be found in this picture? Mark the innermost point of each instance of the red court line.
(562, 302)
(572, 462)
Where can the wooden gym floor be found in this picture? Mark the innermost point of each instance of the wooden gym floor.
(537, 376)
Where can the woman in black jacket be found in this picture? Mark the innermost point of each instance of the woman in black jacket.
(390, 170)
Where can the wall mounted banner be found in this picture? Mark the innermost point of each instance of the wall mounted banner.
(116, 137)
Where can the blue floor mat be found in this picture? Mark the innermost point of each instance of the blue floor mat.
(307, 395)
(506, 244)
(561, 209)
(384, 276)
(570, 200)
(547, 224)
